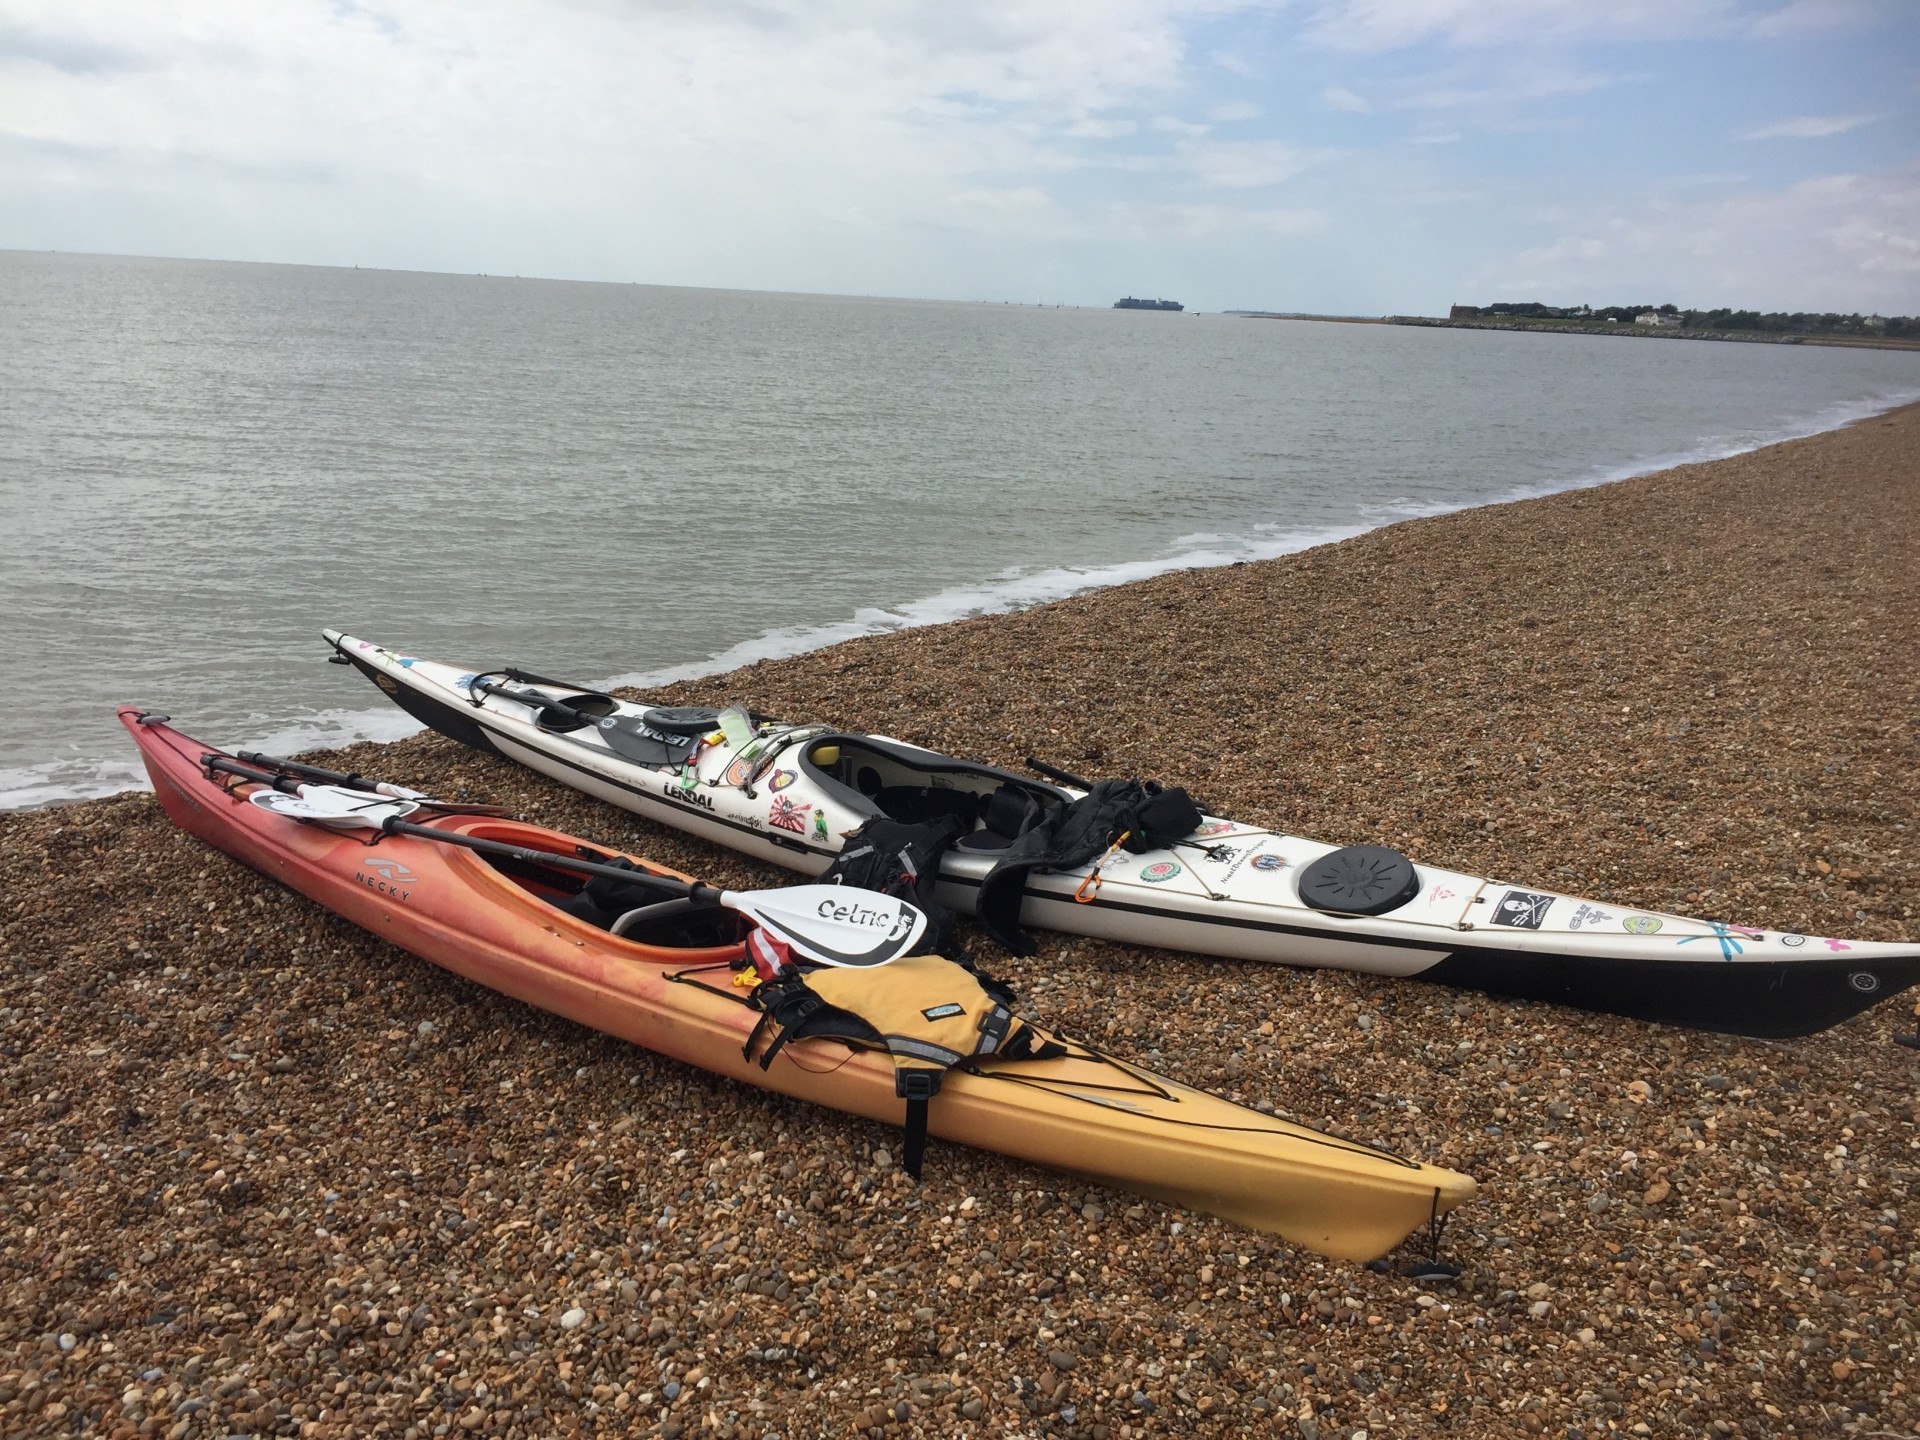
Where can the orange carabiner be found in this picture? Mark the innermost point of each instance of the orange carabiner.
(1083, 895)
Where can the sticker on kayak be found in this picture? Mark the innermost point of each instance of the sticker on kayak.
(1270, 862)
(1587, 915)
(1158, 871)
(387, 683)
(1728, 936)
(1215, 827)
(781, 779)
(1522, 909)
(388, 877)
(1793, 942)
(785, 815)
(1641, 924)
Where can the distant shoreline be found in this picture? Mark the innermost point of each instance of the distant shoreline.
(1638, 332)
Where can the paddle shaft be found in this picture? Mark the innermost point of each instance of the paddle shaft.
(693, 889)
(538, 699)
(1054, 772)
(310, 772)
(396, 826)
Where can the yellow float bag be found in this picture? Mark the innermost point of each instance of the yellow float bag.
(928, 1012)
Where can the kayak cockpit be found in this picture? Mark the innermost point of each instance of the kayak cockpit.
(883, 778)
(634, 912)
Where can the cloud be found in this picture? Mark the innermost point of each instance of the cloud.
(1378, 25)
(73, 54)
(1205, 222)
(1522, 86)
(1100, 129)
(1245, 165)
(1338, 97)
(659, 141)
(1809, 16)
(1807, 127)
(1834, 242)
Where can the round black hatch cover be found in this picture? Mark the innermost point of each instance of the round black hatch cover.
(1360, 880)
(683, 719)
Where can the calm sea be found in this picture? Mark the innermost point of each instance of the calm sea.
(202, 464)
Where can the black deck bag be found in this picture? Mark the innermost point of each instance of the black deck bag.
(928, 1013)
(1139, 815)
(904, 861)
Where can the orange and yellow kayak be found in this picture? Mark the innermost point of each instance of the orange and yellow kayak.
(501, 924)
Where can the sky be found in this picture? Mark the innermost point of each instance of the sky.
(1327, 156)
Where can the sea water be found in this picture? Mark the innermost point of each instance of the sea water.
(202, 464)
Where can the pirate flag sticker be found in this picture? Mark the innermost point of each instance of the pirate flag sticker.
(1522, 909)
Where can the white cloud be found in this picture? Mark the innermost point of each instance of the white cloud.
(1376, 25)
(1521, 87)
(1834, 242)
(1808, 16)
(1100, 129)
(884, 146)
(1245, 165)
(1204, 222)
(648, 141)
(1807, 127)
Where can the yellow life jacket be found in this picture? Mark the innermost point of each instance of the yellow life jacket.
(929, 1013)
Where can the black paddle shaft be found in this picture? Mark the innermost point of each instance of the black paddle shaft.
(692, 889)
(1054, 772)
(285, 784)
(312, 772)
(526, 854)
(538, 699)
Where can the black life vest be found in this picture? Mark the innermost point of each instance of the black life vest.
(1139, 815)
(904, 861)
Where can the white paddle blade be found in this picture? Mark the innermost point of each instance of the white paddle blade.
(834, 924)
(334, 806)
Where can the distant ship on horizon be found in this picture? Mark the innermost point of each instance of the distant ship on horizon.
(1132, 304)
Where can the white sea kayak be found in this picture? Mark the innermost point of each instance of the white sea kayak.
(793, 793)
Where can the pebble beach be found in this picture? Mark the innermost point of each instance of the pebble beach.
(262, 1174)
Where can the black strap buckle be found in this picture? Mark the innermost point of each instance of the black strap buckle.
(916, 1084)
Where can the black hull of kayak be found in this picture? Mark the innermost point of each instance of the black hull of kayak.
(448, 720)
(1780, 1000)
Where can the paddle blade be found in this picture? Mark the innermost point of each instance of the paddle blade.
(834, 924)
(334, 806)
